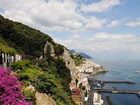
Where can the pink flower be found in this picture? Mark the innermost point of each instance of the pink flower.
(10, 89)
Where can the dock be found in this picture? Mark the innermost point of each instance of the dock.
(112, 81)
(119, 91)
(124, 82)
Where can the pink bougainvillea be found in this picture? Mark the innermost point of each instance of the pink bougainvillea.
(10, 89)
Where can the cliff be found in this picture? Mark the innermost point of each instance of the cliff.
(50, 63)
(70, 64)
(53, 60)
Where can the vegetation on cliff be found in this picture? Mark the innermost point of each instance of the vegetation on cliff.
(22, 37)
(5, 48)
(78, 59)
(49, 74)
(46, 81)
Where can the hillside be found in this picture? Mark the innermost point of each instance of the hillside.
(4, 47)
(22, 37)
(44, 61)
(45, 68)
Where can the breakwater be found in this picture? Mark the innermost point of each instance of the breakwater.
(119, 91)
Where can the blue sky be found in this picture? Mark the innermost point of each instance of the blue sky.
(105, 29)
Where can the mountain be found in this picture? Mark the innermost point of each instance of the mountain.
(84, 55)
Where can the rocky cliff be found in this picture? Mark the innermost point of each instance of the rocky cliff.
(88, 66)
(55, 62)
(66, 56)
(70, 64)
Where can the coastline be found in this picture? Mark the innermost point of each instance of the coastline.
(87, 69)
(116, 73)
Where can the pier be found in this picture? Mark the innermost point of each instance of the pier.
(137, 92)
(124, 82)
(112, 81)
(98, 87)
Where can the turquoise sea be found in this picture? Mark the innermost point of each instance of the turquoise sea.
(122, 70)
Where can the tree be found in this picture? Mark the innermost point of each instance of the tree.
(59, 49)
(10, 89)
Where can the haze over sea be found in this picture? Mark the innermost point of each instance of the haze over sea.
(122, 70)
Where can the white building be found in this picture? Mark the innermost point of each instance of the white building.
(97, 100)
(6, 59)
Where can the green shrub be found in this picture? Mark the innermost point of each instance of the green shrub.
(30, 95)
(46, 82)
(50, 84)
(29, 74)
(63, 73)
(58, 49)
(21, 65)
(78, 59)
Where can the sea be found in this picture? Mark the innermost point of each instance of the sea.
(121, 70)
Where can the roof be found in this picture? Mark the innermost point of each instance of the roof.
(76, 91)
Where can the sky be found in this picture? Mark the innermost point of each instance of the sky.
(105, 29)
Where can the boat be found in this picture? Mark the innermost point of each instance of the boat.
(115, 92)
(137, 71)
(138, 94)
(130, 76)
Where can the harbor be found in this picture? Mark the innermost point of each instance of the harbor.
(97, 87)
(117, 91)
(123, 82)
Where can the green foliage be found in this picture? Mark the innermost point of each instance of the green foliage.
(48, 83)
(59, 49)
(5, 48)
(43, 64)
(26, 71)
(63, 73)
(78, 59)
(30, 95)
(20, 65)
(55, 81)
(29, 74)
(52, 77)
(23, 38)
(51, 80)
(47, 55)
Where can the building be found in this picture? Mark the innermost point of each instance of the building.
(97, 100)
(76, 96)
(6, 58)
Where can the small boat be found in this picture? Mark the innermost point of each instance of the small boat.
(138, 94)
(115, 92)
(137, 71)
(130, 76)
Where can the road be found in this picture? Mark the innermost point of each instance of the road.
(90, 99)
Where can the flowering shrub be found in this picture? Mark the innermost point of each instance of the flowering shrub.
(10, 89)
